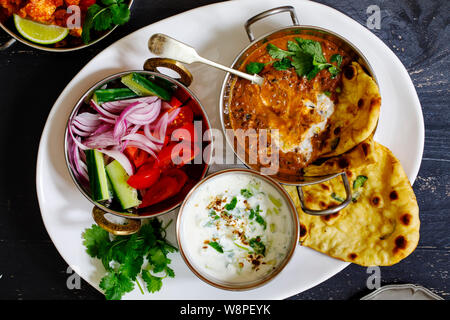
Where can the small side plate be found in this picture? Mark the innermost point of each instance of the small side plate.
(402, 292)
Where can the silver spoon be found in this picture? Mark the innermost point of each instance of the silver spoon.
(163, 45)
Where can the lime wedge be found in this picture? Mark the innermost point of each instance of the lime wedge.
(38, 32)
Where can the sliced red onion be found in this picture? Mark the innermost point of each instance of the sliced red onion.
(143, 140)
(142, 146)
(100, 141)
(120, 105)
(78, 143)
(121, 158)
(102, 111)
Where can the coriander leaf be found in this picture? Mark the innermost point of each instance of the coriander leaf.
(359, 182)
(103, 20)
(261, 221)
(252, 214)
(282, 64)
(313, 48)
(302, 62)
(333, 71)
(277, 53)
(258, 246)
(89, 22)
(336, 58)
(246, 193)
(116, 285)
(157, 259)
(213, 215)
(232, 204)
(254, 67)
(216, 246)
(153, 283)
(327, 93)
(108, 2)
(293, 46)
(96, 241)
(120, 13)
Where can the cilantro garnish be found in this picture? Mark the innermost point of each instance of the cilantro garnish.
(216, 246)
(232, 204)
(304, 55)
(258, 218)
(103, 15)
(246, 193)
(257, 246)
(255, 67)
(123, 258)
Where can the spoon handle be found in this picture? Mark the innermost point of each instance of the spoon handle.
(163, 45)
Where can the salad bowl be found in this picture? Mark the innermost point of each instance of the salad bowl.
(90, 105)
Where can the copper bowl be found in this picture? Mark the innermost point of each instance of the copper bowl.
(8, 27)
(234, 286)
(195, 171)
(297, 29)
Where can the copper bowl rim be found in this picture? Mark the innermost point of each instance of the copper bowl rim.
(294, 241)
(18, 37)
(80, 102)
(227, 80)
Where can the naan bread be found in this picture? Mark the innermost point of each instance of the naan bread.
(380, 227)
(356, 112)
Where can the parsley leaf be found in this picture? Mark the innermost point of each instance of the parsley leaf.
(282, 64)
(232, 204)
(254, 67)
(246, 193)
(258, 246)
(216, 246)
(123, 257)
(104, 15)
(336, 58)
(153, 283)
(278, 53)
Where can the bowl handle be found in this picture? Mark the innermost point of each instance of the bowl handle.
(7, 44)
(268, 13)
(131, 226)
(153, 64)
(331, 210)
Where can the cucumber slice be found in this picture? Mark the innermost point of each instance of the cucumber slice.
(144, 87)
(97, 175)
(125, 194)
(105, 95)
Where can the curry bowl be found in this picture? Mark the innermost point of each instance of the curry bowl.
(70, 43)
(235, 91)
(237, 229)
(83, 148)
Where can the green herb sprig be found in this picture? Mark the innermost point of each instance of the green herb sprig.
(104, 15)
(123, 258)
(304, 55)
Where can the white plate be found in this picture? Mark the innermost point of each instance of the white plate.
(217, 32)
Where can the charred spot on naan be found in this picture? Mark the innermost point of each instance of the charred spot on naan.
(381, 227)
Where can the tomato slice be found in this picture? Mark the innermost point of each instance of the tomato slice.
(145, 177)
(174, 102)
(177, 154)
(184, 116)
(179, 175)
(137, 156)
(168, 186)
(186, 133)
(165, 188)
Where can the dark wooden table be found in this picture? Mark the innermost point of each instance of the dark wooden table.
(31, 268)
